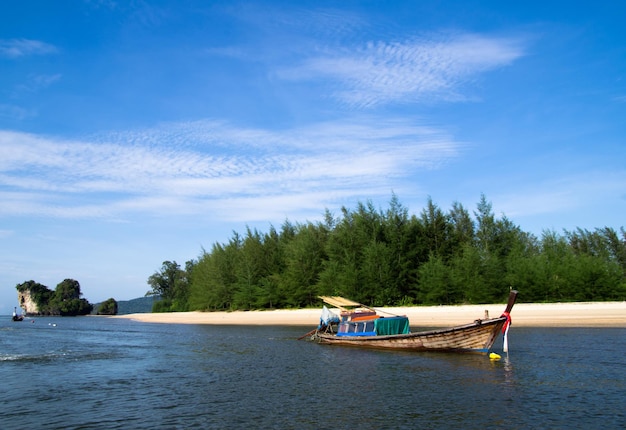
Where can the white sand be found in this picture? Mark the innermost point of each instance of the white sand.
(597, 314)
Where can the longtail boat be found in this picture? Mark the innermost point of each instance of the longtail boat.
(362, 326)
(17, 317)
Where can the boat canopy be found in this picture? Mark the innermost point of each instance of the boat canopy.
(339, 302)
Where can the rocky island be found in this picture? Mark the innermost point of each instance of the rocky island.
(36, 299)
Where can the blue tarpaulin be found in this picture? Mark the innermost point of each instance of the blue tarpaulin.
(364, 333)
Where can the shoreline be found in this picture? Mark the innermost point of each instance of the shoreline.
(576, 314)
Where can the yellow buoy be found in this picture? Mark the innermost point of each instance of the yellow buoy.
(494, 356)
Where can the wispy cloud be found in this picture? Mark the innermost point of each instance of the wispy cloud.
(35, 83)
(207, 166)
(16, 48)
(15, 112)
(383, 72)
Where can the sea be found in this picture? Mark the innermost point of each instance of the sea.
(108, 373)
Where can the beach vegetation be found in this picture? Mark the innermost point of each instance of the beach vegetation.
(171, 283)
(387, 257)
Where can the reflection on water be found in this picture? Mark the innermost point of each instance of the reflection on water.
(98, 373)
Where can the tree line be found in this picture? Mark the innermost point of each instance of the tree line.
(390, 258)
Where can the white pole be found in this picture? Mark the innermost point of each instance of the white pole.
(505, 347)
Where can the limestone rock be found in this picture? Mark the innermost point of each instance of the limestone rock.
(27, 303)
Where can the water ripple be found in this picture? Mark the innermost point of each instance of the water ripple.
(98, 373)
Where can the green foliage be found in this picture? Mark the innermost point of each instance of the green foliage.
(435, 283)
(212, 278)
(172, 284)
(303, 257)
(386, 257)
(108, 307)
(66, 300)
(164, 305)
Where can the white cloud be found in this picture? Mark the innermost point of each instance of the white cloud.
(193, 168)
(434, 67)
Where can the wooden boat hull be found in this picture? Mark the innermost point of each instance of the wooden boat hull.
(477, 337)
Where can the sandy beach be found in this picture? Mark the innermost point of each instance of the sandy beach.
(597, 314)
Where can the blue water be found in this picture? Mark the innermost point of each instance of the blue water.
(102, 373)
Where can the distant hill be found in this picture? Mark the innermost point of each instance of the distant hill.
(141, 305)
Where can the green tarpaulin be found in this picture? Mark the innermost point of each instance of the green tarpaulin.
(394, 325)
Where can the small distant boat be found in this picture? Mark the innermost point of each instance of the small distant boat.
(16, 316)
(361, 326)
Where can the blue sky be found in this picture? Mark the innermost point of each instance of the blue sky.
(134, 132)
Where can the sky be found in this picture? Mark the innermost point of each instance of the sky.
(135, 132)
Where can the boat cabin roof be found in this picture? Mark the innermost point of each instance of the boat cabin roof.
(339, 302)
